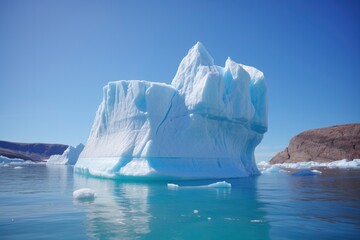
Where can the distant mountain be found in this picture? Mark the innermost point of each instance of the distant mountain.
(322, 145)
(35, 152)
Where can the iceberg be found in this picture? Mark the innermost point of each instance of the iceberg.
(204, 125)
(69, 157)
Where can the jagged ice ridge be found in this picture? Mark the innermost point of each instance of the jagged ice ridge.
(69, 156)
(205, 124)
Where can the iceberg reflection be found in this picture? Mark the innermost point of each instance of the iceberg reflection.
(129, 210)
(120, 211)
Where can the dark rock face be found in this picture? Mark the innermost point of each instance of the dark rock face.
(322, 145)
(30, 151)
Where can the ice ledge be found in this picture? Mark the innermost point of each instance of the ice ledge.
(165, 168)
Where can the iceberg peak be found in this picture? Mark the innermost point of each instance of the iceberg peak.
(200, 52)
(206, 124)
(197, 57)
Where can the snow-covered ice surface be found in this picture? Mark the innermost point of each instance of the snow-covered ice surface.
(205, 124)
(69, 157)
(84, 194)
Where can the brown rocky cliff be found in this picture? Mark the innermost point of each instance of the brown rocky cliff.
(30, 151)
(322, 145)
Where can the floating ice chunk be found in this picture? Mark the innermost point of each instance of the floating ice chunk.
(274, 169)
(306, 172)
(344, 163)
(222, 184)
(4, 160)
(209, 218)
(84, 194)
(231, 219)
(256, 221)
(196, 211)
(263, 163)
(18, 167)
(172, 186)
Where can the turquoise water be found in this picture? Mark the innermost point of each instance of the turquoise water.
(36, 203)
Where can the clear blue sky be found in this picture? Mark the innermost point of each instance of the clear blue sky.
(55, 57)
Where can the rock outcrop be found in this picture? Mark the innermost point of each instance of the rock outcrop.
(322, 145)
(35, 152)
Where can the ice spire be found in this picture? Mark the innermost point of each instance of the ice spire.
(185, 75)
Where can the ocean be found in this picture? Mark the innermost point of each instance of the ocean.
(36, 202)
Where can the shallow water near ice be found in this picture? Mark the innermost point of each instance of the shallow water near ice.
(36, 202)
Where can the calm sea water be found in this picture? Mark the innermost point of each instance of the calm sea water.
(36, 203)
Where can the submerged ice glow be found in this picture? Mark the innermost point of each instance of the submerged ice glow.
(206, 124)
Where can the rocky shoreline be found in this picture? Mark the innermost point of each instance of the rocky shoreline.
(322, 145)
(35, 152)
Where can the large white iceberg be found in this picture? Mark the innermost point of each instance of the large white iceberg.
(206, 124)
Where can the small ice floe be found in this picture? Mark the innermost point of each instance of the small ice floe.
(263, 163)
(306, 172)
(4, 160)
(172, 186)
(84, 194)
(18, 167)
(222, 184)
(231, 219)
(196, 211)
(256, 221)
(209, 218)
(344, 163)
(273, 169)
